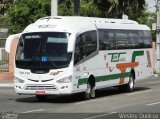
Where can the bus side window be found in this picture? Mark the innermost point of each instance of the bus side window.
(78, 54)
(147, 39)
(121, 38)
(89, 42)
(106, 39)
(140, 39)
(101, 39)
(86, 44)
(133, 40)
(111, 40)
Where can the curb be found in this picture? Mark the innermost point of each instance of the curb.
(6, 85)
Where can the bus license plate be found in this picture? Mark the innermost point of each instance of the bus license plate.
(40, 92)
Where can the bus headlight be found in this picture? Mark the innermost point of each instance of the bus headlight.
(18, 80)
(67, 79)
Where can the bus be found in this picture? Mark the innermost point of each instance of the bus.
(66, 55)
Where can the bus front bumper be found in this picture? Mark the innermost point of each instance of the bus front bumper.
(42, 89)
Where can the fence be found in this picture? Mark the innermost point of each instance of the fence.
(4, 56)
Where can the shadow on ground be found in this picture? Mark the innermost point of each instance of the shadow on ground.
(76, 97)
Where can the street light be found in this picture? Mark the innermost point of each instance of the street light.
(76, 7)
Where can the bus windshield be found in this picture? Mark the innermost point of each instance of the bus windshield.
(43, 50)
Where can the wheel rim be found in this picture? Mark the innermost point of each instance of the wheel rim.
(131, 83)
(88, 90)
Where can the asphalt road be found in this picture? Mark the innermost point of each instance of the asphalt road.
(109, 103)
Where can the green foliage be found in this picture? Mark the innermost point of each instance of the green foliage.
(65, 8)
(116, 8)
(132, 8)
(24, 12)
(88, 8)
(2, 24)
(148, 18)
(4, 5)
(107, 8)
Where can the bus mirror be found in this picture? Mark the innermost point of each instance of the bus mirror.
(9, 41)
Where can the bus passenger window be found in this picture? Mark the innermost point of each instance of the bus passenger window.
(140, 39)
(147, 39)
(89, 42)
(132, 41)
(106, 39)
(121, 38)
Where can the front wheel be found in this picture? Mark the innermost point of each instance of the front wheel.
(89, 92)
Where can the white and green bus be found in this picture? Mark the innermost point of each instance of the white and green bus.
(67, 55)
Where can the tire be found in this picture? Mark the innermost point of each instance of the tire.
(89, 92)
(41, 97)
(131, 84)
(128, 87)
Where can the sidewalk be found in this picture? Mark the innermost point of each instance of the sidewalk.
(6, 83)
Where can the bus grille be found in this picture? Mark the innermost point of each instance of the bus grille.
(40, 87)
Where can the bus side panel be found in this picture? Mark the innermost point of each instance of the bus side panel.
(111, 67)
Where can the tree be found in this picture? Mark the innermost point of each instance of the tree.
(148, 18)
(65, 8)
(107, 7)
(25, 12)
(4, 5)
(116, 8)
(132, 8)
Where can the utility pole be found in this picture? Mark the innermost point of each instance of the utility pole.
(76, 7)
(54, 7)
(158, 38)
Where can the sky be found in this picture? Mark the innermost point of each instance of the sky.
(151, 5)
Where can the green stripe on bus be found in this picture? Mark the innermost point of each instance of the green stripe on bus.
(105, 78)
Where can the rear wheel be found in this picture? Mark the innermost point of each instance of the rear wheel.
(131, 84)
(41, 97)
(128, 87)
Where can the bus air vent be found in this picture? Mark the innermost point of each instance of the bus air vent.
(40, 87)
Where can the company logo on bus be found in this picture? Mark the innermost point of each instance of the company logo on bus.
(55, 73)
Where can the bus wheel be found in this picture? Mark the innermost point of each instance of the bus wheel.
(128, 87)
(41, 97)
(90, 90)
(131, 84)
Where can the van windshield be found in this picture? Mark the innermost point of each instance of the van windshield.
(43, 50)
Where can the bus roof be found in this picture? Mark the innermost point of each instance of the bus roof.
(78, 24)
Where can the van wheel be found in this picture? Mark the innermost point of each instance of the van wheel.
(41, 97)
(128, 87)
